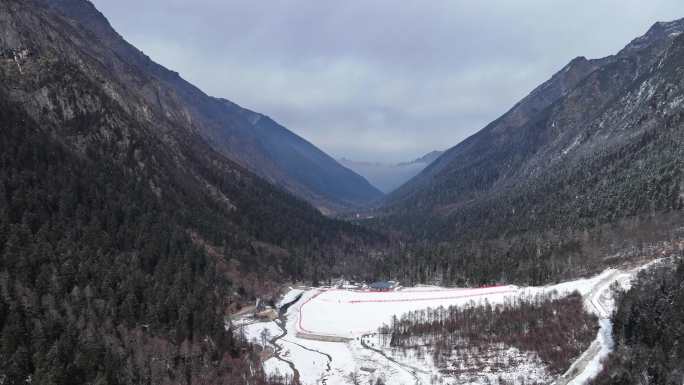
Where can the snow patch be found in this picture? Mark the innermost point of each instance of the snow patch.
(276, 367)
(260, 333)
(571, 146)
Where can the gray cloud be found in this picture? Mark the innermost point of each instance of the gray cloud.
(379, 80)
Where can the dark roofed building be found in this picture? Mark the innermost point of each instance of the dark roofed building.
(381, 286)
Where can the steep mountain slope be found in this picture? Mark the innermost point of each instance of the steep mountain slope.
(387, 177)
(590, 109)
(249, 138)
(520, 115)
(125, 238)
(600, 142)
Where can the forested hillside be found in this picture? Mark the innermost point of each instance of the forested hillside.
(98, 283)
(125, 238)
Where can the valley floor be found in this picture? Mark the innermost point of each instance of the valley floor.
(329, 336)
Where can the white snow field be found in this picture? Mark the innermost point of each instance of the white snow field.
(344, 316)
(276, 367)
(350, 314)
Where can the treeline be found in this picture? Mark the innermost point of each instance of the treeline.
(556, 329)
(554, 255)
(648, 329)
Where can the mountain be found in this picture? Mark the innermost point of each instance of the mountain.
(386, 176)
(251, 139)
(126, 236)
(425, 159)
(597, 149)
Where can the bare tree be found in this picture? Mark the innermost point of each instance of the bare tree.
(265, 337)
(354, 378)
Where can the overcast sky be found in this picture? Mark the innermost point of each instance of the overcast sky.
(379, 80)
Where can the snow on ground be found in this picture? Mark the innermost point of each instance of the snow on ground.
(488, 366)
(583, 285)
(274, 366)
(290, 296)
(594, 366)
(334, 312)
(253, 332)
(310, 357)
(350, 314)
(337, 312)
(599, 299)
(331, 361)
(311, 365)
(390, 372)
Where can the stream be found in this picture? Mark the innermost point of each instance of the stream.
(410, 369)
(324, 379)
(281, 322)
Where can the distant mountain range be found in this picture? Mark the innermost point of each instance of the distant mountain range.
(387, 176)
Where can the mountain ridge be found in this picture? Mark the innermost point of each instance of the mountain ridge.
(559, 86)
(263, 146)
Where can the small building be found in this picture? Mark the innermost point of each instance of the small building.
(381, 286)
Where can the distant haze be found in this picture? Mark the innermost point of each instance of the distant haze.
(379, 80)
(388, 176)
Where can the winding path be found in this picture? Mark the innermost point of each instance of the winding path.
(595, 300)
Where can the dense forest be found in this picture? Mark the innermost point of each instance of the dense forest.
(648, 329)
(464, 340)
(551, 256)
(97, 283)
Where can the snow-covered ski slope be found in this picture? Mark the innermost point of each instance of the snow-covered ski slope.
(323, 315)
(350, 314)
